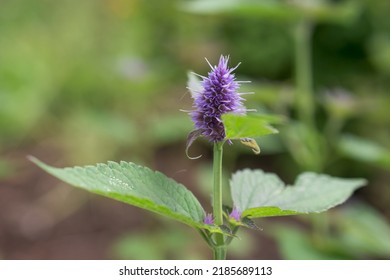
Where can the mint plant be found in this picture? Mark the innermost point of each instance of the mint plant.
(220, 116)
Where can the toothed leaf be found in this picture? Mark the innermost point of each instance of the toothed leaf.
(135, 185)
(259, 194)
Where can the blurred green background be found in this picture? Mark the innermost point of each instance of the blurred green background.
(95, 80)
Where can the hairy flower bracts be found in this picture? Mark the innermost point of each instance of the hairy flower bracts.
(235, 214)
(236, 220)
(216, 95)
(208, 219)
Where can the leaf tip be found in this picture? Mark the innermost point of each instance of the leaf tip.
(34, 160)
(31, 158)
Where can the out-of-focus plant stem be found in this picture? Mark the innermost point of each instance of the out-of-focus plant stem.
(303, 72)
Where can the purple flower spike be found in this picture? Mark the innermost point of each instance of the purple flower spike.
(208, 220)
(217, 96)
(235, 214)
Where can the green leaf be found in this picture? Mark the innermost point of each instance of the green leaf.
(135, 185)
(239, 126)
(259, 194)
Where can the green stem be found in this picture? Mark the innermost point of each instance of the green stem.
(220, 246)
(219, 253)
(306, 107)
(303, 72)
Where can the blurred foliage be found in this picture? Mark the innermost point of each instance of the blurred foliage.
(6, 169)
(100, 64)
(364, 150)
(357, 232)
(170, 241)
(118, 65)
(99, 80)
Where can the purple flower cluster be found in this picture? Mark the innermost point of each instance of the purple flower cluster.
(218, 96)
(235, 214)
(208, 219)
